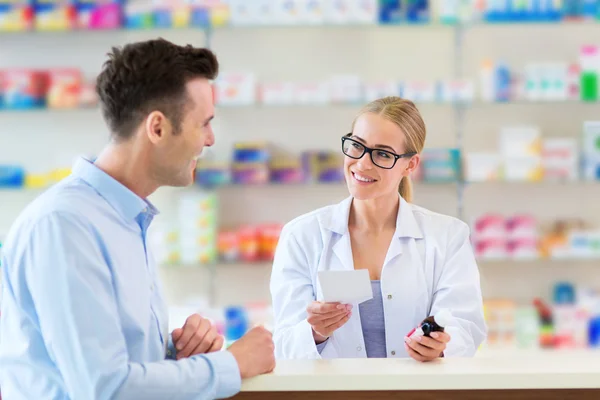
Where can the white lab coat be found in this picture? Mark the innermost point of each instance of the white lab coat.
(429, 266)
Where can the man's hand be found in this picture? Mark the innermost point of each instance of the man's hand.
(197, 336)
(325, 318)
(423, 348)
(254, 352)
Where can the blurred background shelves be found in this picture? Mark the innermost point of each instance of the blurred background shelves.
(509, 94)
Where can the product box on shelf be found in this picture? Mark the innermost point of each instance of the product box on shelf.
(172, 14)
(99, 14)
(24, 88)
(88, 97)
(197, 223)
(250, 163)
(409, 11)
(483, 167)
(560, 159)
(138, 14)
(55, 15)
(591, 138)
(589, 60)
(312, 93)
(11, 176)
(521, 149)
(286, 170)
(523, 238)
(591, 150)
(211, 174)
(441, 165)
(323, 166)
(456, 91)
(520, 142)
(235, 89)
(249, 243)
(497, 237)
(246, 13)
(16, 15)
(1, 89)
(338, 12)
(364, 12)
(277, 93)
(65, 88)
(419, 91)
(500, 320)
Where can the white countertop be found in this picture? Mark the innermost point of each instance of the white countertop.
(493, 370)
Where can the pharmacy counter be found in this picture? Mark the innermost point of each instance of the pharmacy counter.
(540, 375)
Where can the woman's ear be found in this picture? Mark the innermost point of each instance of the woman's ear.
(413, 163)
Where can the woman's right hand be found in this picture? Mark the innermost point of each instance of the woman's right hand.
(325, 318)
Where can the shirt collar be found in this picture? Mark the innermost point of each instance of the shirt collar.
(122, 199)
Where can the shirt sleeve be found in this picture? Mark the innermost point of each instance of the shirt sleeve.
(71, 287)
(459, 290)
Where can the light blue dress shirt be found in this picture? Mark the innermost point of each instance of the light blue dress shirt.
(83, 316)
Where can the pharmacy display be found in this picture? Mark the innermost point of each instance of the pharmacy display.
(53, 15)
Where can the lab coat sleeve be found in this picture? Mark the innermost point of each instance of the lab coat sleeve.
(292, 291)
(459, 290)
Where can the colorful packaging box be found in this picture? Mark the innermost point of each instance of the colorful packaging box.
(138, 14)
(24, 88)
(55, 15)
(235, 89)
(172, 14)
(99, 14)
(65, 88)
(16, 15)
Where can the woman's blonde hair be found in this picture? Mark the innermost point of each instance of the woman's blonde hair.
(405, 114)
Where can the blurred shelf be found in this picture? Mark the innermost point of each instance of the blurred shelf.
(108, 32)
(217, 265)
(533, 261)
(549, 183)
(300, 107)
(43, 110)
(260, 265)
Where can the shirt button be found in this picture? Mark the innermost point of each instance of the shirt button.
(393, 353)
(389, 296)
(358, 348)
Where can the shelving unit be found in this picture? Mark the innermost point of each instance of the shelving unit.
(304, 53)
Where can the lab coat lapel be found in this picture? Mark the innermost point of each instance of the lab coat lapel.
(339, 225)
(406, 227)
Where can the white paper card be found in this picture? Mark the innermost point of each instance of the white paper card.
(346, 287)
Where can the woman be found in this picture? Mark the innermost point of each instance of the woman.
(419, 262)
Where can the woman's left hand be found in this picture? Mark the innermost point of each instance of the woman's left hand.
(423, 348)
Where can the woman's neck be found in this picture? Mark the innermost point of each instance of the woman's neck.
(375, 215)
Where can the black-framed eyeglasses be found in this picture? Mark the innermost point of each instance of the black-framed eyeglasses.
(382, 158)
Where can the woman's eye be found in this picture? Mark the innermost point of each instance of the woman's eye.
(383, 154)
(357, 146)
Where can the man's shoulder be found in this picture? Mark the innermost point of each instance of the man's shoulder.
(69, 199)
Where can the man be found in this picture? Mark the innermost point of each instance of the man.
(82, 311)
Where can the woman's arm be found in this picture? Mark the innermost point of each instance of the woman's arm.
(292, 291)
(459, 290)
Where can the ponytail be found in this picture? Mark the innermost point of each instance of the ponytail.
(406, 189)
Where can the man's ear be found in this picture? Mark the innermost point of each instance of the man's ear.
(157, 126)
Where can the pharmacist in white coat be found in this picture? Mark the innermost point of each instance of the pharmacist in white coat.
(419, 262)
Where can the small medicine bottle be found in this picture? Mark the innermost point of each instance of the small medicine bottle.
(430, 324)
